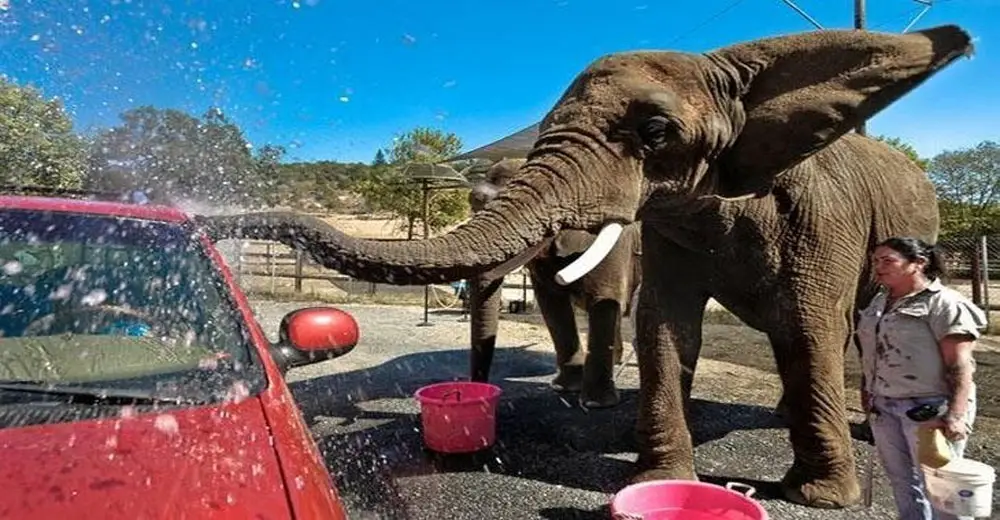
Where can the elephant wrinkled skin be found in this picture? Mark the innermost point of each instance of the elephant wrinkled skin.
(750, 189)
(605, 293)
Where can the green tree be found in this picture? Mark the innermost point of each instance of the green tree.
(906, 148)
(267, 163)
(178, 155)
(37, 143)
(968, 188)
(387, 188)
(380, 159)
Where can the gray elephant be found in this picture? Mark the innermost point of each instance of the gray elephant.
(605, 293)
(751, 189)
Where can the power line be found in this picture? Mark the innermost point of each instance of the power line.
(723, 11)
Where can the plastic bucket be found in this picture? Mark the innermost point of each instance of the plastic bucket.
(458, 416)
(962, 487)
(685, 500)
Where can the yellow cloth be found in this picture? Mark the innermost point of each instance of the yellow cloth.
(932, 447)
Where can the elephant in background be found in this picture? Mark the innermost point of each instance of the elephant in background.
(751, 190)
(605, 294)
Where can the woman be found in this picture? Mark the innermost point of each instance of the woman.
(916, 338)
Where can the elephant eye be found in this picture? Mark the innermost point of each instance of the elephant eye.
(655, 131)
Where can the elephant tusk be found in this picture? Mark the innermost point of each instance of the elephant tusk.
(593, 256)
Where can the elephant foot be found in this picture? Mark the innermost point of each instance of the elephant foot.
(569, 379)
(679, 472)
(831, 492)
(604, 396)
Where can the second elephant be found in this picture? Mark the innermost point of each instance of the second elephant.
(605, 294)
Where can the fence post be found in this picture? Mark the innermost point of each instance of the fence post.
(270, 266)
(977, 273)
(298, 270)
(984, 244)
(239, 261)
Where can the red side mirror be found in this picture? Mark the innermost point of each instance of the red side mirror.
(320, 330)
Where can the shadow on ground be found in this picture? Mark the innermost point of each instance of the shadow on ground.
(542, 436)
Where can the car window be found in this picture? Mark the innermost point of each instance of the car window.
(87, 298)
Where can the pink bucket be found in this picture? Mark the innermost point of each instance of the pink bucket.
(458, 416)
(685, 500)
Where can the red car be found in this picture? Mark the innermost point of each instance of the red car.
(135, 381)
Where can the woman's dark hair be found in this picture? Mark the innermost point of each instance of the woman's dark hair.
(914, 249)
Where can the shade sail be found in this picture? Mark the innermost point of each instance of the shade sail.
(516, 145)
(434, 173)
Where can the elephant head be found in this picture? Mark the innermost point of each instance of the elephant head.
(664, 132)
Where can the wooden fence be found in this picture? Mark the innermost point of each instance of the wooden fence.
(263, 267)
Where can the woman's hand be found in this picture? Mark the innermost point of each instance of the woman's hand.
(953, 427)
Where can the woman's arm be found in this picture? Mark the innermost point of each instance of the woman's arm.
(956, 353)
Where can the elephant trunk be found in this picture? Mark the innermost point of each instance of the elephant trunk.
(508, 232)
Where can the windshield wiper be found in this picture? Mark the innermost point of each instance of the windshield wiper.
(89, 395)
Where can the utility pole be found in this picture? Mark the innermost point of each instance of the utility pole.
(859, 23)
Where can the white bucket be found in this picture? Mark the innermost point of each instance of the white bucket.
(962, 487)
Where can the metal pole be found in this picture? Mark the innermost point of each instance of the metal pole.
(427, 287)
(859, 23)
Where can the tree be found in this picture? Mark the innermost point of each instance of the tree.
(178, 155)
(386, 188)
(910, 151)
(968, 187)
(379, 159)
(37, 143)
(267, 163)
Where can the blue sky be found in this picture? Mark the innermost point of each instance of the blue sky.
(337, 79)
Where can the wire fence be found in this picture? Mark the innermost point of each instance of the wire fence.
(973, 268)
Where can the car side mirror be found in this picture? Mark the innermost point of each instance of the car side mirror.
(314, 334)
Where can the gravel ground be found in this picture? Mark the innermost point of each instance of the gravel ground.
(552, 460)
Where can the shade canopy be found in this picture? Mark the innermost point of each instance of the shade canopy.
(514, 146)
(435, 173)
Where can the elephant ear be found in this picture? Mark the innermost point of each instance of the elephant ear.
(571, 242)
(800, 93)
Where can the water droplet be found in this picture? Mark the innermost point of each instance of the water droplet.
(95, 297)
(167, 424)
(238, 392)
(12, 268)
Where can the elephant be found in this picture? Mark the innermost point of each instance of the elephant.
(751, 188)
(605, 293)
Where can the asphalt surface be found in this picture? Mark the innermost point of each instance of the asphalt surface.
(552, 460)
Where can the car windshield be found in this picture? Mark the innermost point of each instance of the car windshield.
(116, 303)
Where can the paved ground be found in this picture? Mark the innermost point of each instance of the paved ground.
(553, 460)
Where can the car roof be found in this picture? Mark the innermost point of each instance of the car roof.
(94, 207)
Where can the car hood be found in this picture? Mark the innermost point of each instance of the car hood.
(205, 462)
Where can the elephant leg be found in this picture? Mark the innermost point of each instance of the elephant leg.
(810, 359)
(781, 409)
(603, 337)
(484, 315)
(557, 312)
(669, 321)
(618, 350)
